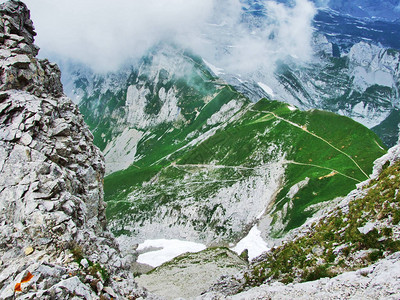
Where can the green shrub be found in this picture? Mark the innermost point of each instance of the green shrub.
(375, 255)
(318, 272)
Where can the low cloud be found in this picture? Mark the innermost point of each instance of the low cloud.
(104, 34)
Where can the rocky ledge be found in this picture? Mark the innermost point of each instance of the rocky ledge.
(53, 238)
(378, 281)
(350, 251)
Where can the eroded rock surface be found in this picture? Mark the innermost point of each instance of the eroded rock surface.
(53, 238)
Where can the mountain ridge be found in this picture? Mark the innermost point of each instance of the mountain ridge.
(54, 242)
(209, 115)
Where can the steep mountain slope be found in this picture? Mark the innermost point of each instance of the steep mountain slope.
(359, 9)
(360, 232)
(270, 161)
(345, 31)
(363, 85)
(362, 229)
(54, 242)
(354, 70)
(378, 281)
(169, 85)
(194, 145)
(367, 9)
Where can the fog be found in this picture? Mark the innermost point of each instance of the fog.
(105, 34)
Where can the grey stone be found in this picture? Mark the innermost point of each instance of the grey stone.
(110, 291)
(25, 48)
(85, 263)
(18, 61)
(99, 287)
(16, 37)
(54, 209)
(62, 129)
(75, 287)
(48, 205)
(69, 207)
(5, 53)
(4, 106)
(9, 43)
(7, 293)
(26, 139)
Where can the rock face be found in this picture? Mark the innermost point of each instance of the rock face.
(19, 68)
(191, 274)
(378, 281)
(52, 215)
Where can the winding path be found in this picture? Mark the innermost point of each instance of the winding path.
(315, 135)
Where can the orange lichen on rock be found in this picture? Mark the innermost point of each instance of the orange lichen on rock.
(27, 278)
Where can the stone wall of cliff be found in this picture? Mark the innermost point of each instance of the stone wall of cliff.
(53, 238)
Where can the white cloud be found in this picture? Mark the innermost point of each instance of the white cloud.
(285, 32)
(104, 34)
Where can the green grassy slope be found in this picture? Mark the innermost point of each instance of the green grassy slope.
(331, 86)
(221, 154)
(338, 242)
(334, 152)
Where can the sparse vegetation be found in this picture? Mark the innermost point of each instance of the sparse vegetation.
(94, 269)
(344, 240)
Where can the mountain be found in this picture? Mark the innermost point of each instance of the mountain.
(345, 30)
(183, 138)
(181, 145)
(363, 85)
(188, 157)
(360, 9)
(368, 9)
(350, 250)
(355, 234)
(353, 71)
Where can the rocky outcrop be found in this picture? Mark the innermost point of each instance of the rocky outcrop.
(189, 274)
(19, 67)
(53, 238)
(378, 281)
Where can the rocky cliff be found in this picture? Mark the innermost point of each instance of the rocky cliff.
(53, 238)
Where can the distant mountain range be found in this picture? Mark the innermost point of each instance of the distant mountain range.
(362, 9)
(173, 123)
(181, 144)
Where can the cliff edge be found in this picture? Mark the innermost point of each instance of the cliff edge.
(53, 238)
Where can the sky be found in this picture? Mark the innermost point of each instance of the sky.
(104, 34)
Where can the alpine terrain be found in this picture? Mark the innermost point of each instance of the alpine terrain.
(172, 177)
(181, 146)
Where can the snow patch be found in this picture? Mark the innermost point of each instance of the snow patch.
(253, 242)
(266, 88)
(217, 71)
(169, 250)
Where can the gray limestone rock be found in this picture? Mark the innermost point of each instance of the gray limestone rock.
(51, 183)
